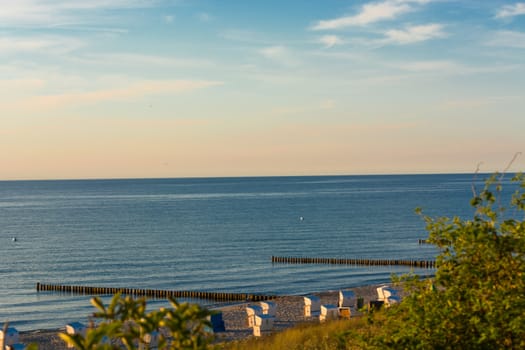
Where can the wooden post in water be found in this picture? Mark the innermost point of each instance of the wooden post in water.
(368, 262)
(153, 293)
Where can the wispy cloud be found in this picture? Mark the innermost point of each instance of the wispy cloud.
(134, 59)
(370, 13)
(279, 54)
(274, 52)
(44, 44)
(21, 85)
(511, 10)
(480, 101)
(444, 67)
(507, 38)
(428, 66)
(330, 40)
(138, 89)
(414, 34)
(58, 12)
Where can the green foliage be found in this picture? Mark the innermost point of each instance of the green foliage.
(477, 298)
(126, 324)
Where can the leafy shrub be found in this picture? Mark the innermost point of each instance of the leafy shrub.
(477, 298)
(126, 324)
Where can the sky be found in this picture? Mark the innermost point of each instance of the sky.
(196, 88)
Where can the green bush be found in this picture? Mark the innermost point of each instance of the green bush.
(126, 324)
(477, 298)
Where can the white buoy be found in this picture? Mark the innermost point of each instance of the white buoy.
(301, 218)
(13, 239)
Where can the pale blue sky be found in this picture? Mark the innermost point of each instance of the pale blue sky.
(138, 88)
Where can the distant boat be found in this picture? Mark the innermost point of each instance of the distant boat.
(301, 218)
(13, 239)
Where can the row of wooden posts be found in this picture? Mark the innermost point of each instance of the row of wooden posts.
(429, 264)
(154, 293)
(222, 296)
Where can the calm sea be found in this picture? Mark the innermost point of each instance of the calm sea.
(207, 234)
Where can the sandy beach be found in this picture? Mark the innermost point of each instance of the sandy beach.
(289, 314)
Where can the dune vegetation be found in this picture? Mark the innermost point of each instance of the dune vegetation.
(475, 301)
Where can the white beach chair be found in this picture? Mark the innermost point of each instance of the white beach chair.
(346, 298)
(380, 295)
(391, 296)
(10, 336)
(329, 312)
(251, 311)
(269, 308)
(264, 322)
(152, 339)
(76, 328)
(388, 295)
(312, 306)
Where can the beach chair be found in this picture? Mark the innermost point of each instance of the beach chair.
(217, 323)
(344, 312)
(388, 295)
(346, 298)
(151, 339)
(268, 308)
(391, 296)
(257, 332)
(17, 346)
(10, 336)
(312, 306)
(264, 322)
(251, 311)
(380, 295)
(329, 312)
(76, 328)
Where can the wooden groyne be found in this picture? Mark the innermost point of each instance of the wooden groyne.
(429, 264)
(153, 293)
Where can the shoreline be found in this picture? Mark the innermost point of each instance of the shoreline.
(289, 314)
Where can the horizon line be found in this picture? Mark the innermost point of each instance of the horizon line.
(252, 176)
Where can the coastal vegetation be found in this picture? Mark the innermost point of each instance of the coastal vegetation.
(127, 325)
(476, 300)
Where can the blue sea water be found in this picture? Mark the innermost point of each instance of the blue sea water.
(208, 234)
